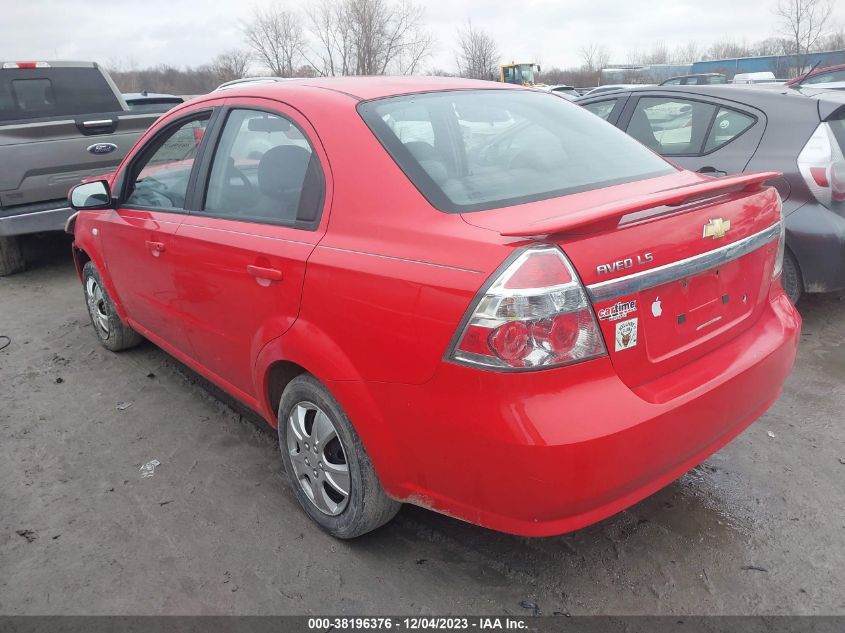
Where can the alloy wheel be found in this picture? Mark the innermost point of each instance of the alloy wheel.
(318, 458)
(97, 304)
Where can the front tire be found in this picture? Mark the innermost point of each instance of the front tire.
(326, 463)
(112, 333)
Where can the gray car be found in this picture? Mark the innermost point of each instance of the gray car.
(720, 130)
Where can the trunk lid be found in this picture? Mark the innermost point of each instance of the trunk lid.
(671, 275)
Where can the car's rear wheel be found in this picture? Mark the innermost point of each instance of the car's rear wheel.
(326, 463)
(111, 331)
(791, 278)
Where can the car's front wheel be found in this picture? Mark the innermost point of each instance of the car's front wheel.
(326, 463)
(113, 333)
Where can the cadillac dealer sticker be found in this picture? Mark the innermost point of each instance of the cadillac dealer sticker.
(626, 334)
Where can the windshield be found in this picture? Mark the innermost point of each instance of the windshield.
(527, 72)
(484, 149)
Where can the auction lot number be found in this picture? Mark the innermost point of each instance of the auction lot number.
(416, 623)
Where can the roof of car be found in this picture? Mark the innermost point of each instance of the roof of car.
(371, 87)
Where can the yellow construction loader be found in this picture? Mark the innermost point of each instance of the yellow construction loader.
(519, 74)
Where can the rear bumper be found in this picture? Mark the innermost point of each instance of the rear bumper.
(816, 236)
(35, 219)
(548, 452)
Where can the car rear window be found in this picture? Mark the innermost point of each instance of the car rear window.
(50, 92)
(484, 149)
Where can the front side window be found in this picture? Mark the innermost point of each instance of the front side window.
(671, 127)
(485, 149)
(159, 179)
(601, 108)
(265, 170)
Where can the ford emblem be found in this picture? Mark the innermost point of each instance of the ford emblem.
(102, 148)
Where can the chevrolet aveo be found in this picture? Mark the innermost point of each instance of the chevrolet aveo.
(472, 297)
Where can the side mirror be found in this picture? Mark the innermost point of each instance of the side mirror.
(90, 195)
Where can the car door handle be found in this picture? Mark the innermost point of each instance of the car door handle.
(264, 273)
(156, 248)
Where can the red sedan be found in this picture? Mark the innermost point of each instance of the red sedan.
(472, 297)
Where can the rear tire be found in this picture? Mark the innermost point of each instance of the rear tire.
(11, 257)
(113, 334)
(790, 278)
(326, 463)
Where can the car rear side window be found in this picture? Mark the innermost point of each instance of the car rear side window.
(484, 149)
(264, 170)
(49, 92)
(727, 125)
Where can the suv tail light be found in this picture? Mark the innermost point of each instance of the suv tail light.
(535, 314)
(822, 165)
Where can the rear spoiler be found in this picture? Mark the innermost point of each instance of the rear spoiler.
(606, 213)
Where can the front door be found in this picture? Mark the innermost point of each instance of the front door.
(138, 237)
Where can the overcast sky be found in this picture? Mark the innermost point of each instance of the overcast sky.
(142, 33)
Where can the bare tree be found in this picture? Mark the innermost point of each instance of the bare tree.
(728, 48)
(277, 38)
(594, 57)
(477, 55)
(231, 64)
(368, 37)
(836, 40)
(803, 21)
(687, 53)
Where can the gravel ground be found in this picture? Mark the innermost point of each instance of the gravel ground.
(757, 529)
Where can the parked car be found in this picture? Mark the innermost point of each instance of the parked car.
(700, 79)
(529, 330)
(609, 88)
(562, 90)
(831, 74)
(721, 130)
(151, 101)
(757, 78)
(59, 123)
(239, 83)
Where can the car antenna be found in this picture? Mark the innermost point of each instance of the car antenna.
(806, 75)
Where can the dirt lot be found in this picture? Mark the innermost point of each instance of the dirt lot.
(759, 528)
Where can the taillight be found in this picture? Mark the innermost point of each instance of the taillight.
(26, 65)
(535, 314)
(822, 165)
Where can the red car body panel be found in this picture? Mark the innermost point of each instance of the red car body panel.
(370, 300)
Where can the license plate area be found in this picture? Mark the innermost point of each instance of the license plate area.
(685, 313)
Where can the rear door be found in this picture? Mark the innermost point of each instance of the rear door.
(138, 236)
(260, 216)
(58, 125)
(712, 136)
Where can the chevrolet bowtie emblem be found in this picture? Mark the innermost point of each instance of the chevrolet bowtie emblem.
(716, 228)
